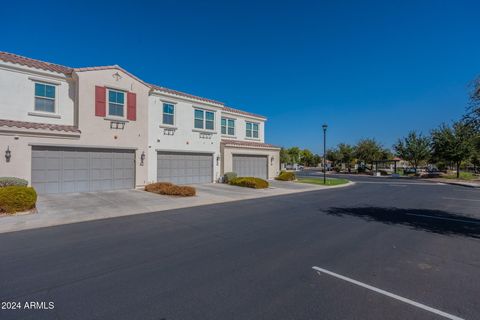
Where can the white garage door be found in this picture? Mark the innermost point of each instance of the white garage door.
(59, 169)
(184, 168)
(250, 166)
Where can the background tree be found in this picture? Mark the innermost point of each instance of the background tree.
(453, 143)
(294, 153)
(306, 158)
(334, 156)
(369, 150)
(347, 153)
(284, 156)
(317, 159)
(413, 148)
(473, 111)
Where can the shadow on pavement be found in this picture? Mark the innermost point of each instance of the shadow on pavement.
(436, 221)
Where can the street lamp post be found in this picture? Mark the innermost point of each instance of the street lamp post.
(324, 153)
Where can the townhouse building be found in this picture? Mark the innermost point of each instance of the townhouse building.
(101, 128)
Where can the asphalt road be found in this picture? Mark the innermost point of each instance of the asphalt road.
(253, 259)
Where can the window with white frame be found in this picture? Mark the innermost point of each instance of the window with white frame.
(228, 126)
(252, 130)
(168, 114)
(116, 103)
(204, 119)
(44, 97)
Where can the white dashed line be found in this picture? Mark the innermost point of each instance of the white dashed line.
(460, 199)
(388, 294)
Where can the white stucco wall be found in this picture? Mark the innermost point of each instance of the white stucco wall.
(185, 137)
(95, 131)
(17, 96)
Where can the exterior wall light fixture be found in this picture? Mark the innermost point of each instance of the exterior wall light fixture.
(142, 158)
(218, 160)
(271, 160)
(8, 154)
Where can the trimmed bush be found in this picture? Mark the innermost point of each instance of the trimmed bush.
(286, 176)
(249, 182)
(157, 186)
(12, 181)
(228, 176)
(167, 188)
(16, 198)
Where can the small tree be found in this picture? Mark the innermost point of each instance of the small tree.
(294, 153)
(306, 157)
(369, 150)
(453, 143)
(347, 153)
(413, 148)
(284, 156)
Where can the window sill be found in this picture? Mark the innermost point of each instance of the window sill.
(168, 126)
(228, 136)
(45, 114)
(253, 139)
(118, 119)
(204, 131)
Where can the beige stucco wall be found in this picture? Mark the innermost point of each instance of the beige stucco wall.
(273, 166)
(95, 130)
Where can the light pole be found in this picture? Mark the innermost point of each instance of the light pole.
(324, 153)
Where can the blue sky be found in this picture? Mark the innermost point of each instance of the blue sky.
(367, 68)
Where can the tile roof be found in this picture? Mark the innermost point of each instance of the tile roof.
(36, 125)
(242, 143)
(24, 61)
(179, 93)
(232, 110)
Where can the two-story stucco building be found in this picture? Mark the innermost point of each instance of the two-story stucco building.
(101, 128)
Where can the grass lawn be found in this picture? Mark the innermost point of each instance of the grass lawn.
(463, 176)
(330, 181)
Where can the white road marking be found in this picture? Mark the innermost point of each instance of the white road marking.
(388, 294)
(461, 199)
(404, 183)
(441, 218)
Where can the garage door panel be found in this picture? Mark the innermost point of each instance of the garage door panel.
(250, 166)
(184, 168)
(58, 169)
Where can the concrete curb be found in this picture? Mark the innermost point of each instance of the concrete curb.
(37, 221)
(454, 183)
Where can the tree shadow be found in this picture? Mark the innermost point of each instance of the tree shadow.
(436, 221)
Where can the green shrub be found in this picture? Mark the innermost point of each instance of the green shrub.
(12, 181)
(167, 188)
(16, 198)
(228, 176)
(249, 182)
(286, 176)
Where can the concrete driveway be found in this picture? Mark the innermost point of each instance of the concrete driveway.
(60, 209)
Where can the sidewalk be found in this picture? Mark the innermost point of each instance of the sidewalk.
(67, 208)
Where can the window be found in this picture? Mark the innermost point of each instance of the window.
(116, 103)
(204, 120)
(252, 130)
(168, 113)
(44, 97)
(228, 126)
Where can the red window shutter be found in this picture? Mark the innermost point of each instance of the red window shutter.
(131, 106)
(100, 101)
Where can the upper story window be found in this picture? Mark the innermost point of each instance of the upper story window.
(44, 97)
(228, 126)
(168, 114)
(204, 119)
(116, 103)
(252, 130)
